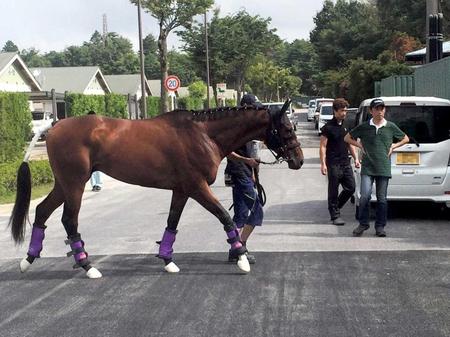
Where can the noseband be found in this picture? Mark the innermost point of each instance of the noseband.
(275, 142)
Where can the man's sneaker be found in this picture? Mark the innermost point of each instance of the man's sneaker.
(338, 222)
(358, 231)
(233, 258)
(380, 233)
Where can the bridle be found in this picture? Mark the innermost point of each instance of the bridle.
(277, 144)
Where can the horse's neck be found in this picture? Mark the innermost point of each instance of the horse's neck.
(232, 132)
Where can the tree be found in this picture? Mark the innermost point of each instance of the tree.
(32, 58)
(10, 47)
(234, 42)
(171, 14)
(181, 65)
(302, 59)
(151, 63)
(112, 53)
(402, 44)
(347, 30)
(271, 82)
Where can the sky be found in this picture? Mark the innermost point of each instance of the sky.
(56, 24)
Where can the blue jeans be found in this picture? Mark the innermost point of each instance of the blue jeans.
(247, 206)
(96, 179)
(381, 184)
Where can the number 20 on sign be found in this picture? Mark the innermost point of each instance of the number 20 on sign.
(172, 83)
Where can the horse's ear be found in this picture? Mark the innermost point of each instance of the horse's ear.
(285, 107)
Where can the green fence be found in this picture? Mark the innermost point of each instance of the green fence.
(433, 79)
(397, 85)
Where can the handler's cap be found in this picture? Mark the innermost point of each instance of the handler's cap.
(250, 99)
(376, 102)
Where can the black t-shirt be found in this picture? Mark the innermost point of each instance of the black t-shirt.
(238, 168)
(337, 149)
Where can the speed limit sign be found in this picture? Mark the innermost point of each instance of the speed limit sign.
(172, 83)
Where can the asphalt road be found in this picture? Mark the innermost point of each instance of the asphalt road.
(311, 278)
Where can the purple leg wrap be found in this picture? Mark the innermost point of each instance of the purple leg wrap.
(37, 236)
(78, 252)
(233, 239)
(165, 248)
(77, 246)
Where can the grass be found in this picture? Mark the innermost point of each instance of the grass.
(36, 192)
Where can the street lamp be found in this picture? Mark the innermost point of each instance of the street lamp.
(141, 57)
(207, 64)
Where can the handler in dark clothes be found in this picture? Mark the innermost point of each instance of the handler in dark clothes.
(248, 211)
(335, 161)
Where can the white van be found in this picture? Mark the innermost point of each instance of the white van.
(311, 109)
(325, 114)
(289, 113)
(39, 120)
(420, 169)
(319, 102)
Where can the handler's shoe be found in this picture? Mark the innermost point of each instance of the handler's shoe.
(234, 258)
(358, 231)
(338, 222)
(380, 233)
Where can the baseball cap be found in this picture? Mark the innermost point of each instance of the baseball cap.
(376, 102)
(250, 99)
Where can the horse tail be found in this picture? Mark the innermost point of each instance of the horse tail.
(19, 215)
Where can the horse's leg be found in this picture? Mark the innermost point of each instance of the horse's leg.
(70, 222)
(206, 198)
(43, 212)
(165, 249)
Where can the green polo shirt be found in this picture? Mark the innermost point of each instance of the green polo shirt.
(375, 160)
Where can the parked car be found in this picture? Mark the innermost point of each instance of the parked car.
(39, 120)
(350, 119)
(274, 106)
(319, 101)
(325, 115)
(311, 109)
(420, 169)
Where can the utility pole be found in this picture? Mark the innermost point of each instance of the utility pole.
(207, 64)
(432, 8)
(141, 57)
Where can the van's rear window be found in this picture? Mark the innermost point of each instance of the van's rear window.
(37, 116)
(327, 110)
(427, 124)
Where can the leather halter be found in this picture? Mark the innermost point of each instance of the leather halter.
(275, 142)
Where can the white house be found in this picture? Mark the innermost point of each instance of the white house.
(15, 75)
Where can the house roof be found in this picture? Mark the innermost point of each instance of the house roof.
(126, 84)
(155, 87)
(6, 59)
(418, 55)
(72, 79)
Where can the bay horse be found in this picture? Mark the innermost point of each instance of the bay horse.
(179, 151)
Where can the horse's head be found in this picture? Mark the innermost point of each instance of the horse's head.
(282, 139)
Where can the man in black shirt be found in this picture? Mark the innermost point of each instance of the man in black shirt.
(335, 161)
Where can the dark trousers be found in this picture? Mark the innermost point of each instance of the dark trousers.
(339, 174)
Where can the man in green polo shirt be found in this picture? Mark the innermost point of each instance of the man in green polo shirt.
(376, 140)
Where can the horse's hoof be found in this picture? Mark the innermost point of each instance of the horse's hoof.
(24, 265)
(243, 263)
(172, 268)
(93, 273)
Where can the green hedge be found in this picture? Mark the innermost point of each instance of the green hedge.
(112, 105)
(153, 104)
(116, 106)
(41, 173)
(15, 120)
(190, 103)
